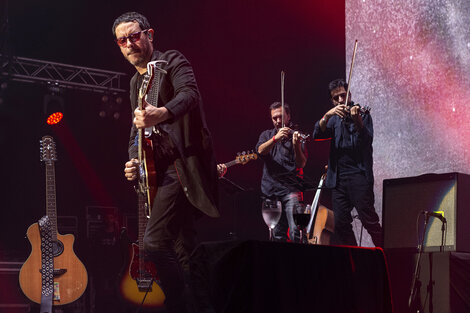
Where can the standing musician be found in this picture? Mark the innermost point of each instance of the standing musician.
(282, 151)
(350, 164)
(184, 160)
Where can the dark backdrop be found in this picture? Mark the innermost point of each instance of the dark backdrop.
(237, 49)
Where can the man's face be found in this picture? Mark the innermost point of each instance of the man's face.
(338, 96)
(276, 116)
(137, 51)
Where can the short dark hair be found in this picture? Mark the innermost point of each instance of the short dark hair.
(131, 17)
(276, 105)
(339, 82)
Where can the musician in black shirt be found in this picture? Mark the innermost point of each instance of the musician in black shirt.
(184, 159)
(350, 172)
(282, 151)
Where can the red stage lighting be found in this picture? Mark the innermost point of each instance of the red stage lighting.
(54, 118)
(53, 109)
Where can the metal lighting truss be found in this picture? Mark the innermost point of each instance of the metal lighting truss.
(60, 75)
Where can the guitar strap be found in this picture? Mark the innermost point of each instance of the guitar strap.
(152, 96)
(163, 147)
(47, 269)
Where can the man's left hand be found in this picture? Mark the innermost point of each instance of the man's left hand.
(150, 115)
(356, 113)
(296, 138)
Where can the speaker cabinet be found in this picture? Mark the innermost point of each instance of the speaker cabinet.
(404, 200)
(12, 299)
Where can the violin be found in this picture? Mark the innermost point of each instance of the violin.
(362, 109)
(303, 137)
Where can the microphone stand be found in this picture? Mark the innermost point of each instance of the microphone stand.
(416, 283)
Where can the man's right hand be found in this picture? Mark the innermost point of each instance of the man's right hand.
(282, 133)
(130, 169)
(340, 110)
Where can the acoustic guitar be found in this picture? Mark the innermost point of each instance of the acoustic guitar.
(69, 274)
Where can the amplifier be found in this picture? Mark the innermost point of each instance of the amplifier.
(404, 200)
(12, 299)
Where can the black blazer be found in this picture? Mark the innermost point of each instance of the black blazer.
(196, 166)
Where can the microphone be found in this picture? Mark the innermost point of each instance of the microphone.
(436, 215)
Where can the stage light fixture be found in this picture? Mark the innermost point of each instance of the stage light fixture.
(110, 107)
(53, 109)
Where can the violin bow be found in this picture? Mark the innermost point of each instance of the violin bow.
(283, 74)
(350, 72)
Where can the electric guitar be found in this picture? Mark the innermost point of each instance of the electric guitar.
(146, 187)
(69, 273)
(139, 278)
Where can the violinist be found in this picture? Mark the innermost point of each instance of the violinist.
(282, 150)
(350, 172)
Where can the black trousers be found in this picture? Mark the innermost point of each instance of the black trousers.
(353, 191)
(170, 239)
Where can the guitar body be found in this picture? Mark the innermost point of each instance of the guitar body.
(72, 283)
(128, 287)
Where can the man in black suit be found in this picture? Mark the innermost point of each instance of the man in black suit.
(185, 163)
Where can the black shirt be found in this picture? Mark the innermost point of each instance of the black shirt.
(350, 149)
(280, 160)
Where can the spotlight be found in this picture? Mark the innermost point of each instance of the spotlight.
(53, 109)
(110, 107)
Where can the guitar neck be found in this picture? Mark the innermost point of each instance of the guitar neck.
(231, 163)
(140, 135)
(51, 208)
(142, 224)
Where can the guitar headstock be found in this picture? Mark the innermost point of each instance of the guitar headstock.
(148, 77)
(244, 157)
(145, 83)
(47, 150)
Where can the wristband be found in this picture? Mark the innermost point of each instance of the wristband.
(274, 138)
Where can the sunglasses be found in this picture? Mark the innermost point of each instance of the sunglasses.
(134, 37)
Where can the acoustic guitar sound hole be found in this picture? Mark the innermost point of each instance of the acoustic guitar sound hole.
(57, 248)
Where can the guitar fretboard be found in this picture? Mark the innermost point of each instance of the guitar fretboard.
(142, 224)
(51, 208)
(231, 163)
